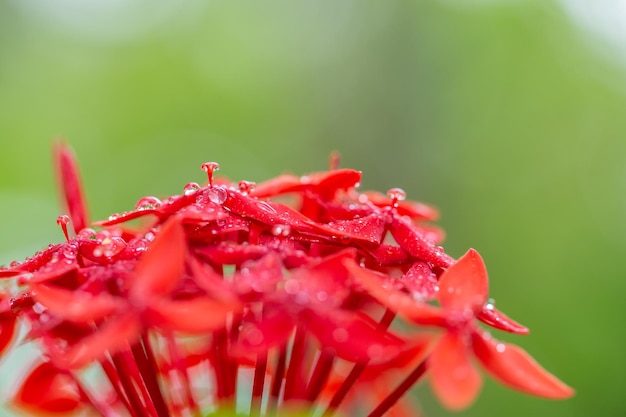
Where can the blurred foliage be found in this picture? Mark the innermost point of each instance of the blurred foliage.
(503, 114)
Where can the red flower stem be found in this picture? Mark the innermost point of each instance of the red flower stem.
(233, 365)
(295, 387)
(219, 363)
(277, 380)
(178, 361)
(396, 394)
(322, 371)
(111, 374)
(104, 409)
(150, 377)
(259, 383)
(356, 371)
(135, 405)
(324, 365)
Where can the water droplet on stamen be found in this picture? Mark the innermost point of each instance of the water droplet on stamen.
(396, 194)
(147, 203)
(210, 168)
(246, 186)
(62, 221)
(491, 304)
(191, 188)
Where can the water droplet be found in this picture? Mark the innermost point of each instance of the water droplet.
(292, 286)
(246, 186)
(217, 195)
(340, 335)
(114, 216)
(191, 188)
(14, 264)
(500, 347)
(396, 194)
(21, 303)
(210, 168)
(70, 251)
(110, 247)
(254, 336)
(87, 234)
(281, 230)
(147, 203)
(491, 304)
(266, 207)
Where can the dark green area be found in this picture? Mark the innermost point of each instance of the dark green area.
(503, 114)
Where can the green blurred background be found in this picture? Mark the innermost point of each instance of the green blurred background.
(507, 115)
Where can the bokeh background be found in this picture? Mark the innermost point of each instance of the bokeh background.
(510, 116)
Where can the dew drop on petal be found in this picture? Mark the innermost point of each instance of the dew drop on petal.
(87, 234)
(14, 264)
(292, 286)
(147, 203)
(210, 168)
(110, 247)
(266, 207)
(217, 195)
(340, 335)
(114, 216)
(500, 347)
(281, 230)
(254, 337)
(21, 303)
(491, 304)
(191, 188)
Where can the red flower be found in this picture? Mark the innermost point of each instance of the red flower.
(227, 285)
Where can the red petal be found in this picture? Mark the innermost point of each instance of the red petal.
(412, 240)
(163, 264)
(498, 320)
(282, 184)
(70, 185)
(380, 287)
(115, 335)
(464, 285)
(348, 336)
(413, 209)
(453, 378)
(47, 389)
(328, 183)
(76, 306)
(193, 316)
(7, 330)
(514, 367)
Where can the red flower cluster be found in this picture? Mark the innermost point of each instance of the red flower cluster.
(299, 293)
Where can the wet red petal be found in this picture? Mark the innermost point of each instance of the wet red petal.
(413, 209)
(348, 336)
(47, 389)
(193, 316)
(113, 336)
(453, 378)
(464, 285)
(162, 266)
(328, 183)
(380, 287)
(76, 306)
(513, 366)
(421, 281)
(280, 185)
(498, 320)
(415, 243)
(70, 184)
(7, 330)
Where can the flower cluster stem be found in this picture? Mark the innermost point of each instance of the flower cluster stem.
(396, 394)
